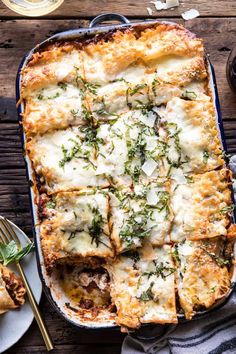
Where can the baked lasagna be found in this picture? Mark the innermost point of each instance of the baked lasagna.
(133, 193)
(12, 290)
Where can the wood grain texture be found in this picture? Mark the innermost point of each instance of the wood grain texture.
(133, 8)
(18, 37)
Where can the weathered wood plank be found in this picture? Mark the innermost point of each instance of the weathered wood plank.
(68, 349)
(219, 36)
(88, 9)
(20, 218)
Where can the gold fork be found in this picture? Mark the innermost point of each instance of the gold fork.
(8, 234)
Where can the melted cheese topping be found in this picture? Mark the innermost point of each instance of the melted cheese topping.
(127, 145)
(50, 67)
(140, 215)
(77, 226)
(122, 136)
(64, 161)
(192, 135)
(202, 275)
(143, 290)
(201, 207)
(52, 107)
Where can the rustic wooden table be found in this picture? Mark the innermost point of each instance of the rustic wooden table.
(217, 25)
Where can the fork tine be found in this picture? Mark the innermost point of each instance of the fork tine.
(5, 234)
(9, 230)
(3, 239)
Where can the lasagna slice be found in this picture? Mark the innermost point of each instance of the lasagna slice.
(51, 108)
(192, 136)
(201, 206)
(12, 290)
(140, 215)
(202, 274)
(126, 49)
(75, 226)
(65, 160)
(131, 149)
(49, 67)
(143, 287)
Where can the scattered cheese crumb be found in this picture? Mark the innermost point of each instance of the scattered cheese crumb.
(149, 10)
(149, 167)
(190, 14)
(152, 197)
(172, 3)
(138, 219)
(159, 5)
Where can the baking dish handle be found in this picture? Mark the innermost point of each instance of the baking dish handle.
(108, 17)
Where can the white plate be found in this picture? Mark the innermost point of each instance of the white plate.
(15, 323)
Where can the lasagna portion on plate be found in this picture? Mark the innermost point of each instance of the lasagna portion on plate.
(133, 194)
(12, 290)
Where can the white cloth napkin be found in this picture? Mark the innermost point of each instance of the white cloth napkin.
(214, 333)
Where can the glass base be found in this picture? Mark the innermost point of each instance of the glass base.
(33, 8)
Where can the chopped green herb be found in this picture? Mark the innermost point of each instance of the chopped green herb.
(147, 295)
(74, 112)
(90, 136)
(173, 133)
(205, 156)
(191, 95)
(155, 82)
(136, 149)
(40, 96)
(103, 111)
(162, 147)
(163, 202)
(219, 261)
(120, 79)
(68, 305)
(189, 178)
(62, 85)
(68, 155)
(96, 229)
(86, 87)
(134, 172)
(213, 289)
(161, 270)
(132, 91)
(227, 209)
(137, 88)
(175, 254)
(72, 235)
(145, 107)
(51, 204)
(88, 116)
(136, 226)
